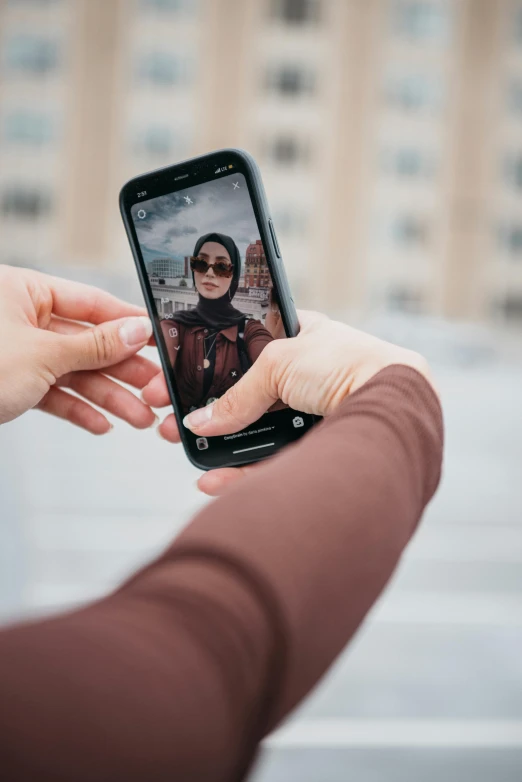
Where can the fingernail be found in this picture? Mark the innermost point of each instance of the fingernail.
(198, 417)
(157, 430)
(155, 422)
(135, 331)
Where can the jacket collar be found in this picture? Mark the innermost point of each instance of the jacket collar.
(230, 333)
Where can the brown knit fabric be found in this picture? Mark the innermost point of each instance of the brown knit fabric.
(180, 673)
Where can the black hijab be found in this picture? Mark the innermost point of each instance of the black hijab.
(216, 313)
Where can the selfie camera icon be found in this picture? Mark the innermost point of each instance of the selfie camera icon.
(298, 422)
(202, 443)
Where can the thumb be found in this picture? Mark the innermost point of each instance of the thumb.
(242, 404)
(102, 346)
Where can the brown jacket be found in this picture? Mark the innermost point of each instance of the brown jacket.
(178, 675)
(185, 345)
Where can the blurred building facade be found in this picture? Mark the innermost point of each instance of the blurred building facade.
(388, 132)
(166, 267)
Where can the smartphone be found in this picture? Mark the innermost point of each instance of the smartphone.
(216, 290)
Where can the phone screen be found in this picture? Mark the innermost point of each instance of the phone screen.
(217, 305)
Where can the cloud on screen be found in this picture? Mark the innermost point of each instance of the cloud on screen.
(172, 227)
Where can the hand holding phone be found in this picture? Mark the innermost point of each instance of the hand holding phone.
(313, 372)
(215, 287)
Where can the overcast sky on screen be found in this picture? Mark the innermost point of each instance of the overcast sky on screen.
(172, 227)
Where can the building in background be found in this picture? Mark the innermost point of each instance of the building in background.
(173, 296)
(388, 132)
(166, 267)
(256, 267)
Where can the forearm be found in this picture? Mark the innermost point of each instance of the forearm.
(325, 523)
(179, 674)
(148, 684)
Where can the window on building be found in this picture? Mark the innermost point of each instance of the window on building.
(157, 141)
(404, 299)
(510, 238)
(517, 23)
(410, 231)
(287, 150)
(31, 54)
(166, 267)
(163, 69)
(28, 127)
(422, 20)
(407, 162)
(296, 11)
(513, 170)
(413, 92)
(290, 81)
(169, 6)
(27, 203)
(510, 307)
(515, 96)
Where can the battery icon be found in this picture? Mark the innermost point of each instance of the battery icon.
(231, 166)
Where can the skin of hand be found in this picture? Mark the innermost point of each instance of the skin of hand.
(312, 372)
(46, 347)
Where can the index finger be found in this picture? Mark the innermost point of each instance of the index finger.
(78, 301)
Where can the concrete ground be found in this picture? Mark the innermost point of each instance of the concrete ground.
(430, 689)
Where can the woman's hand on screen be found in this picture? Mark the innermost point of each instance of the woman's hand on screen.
(47, 347)
(312, 373)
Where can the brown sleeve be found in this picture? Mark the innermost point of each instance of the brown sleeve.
(178, 674)
(256, 339)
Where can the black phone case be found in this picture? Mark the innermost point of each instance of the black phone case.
(274, 260)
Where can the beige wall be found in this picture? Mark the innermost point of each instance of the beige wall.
(472, 151)
(94, 111)
(344, 257)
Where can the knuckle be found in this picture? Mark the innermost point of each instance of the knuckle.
(230, 405)
(272, 364)
(229, 402)
(102, 346)
(271, 355)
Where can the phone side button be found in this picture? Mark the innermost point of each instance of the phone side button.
(274, 238)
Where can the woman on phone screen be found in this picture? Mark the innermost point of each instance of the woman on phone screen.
(214, 344)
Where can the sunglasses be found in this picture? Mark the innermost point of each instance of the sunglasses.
(220, 268)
